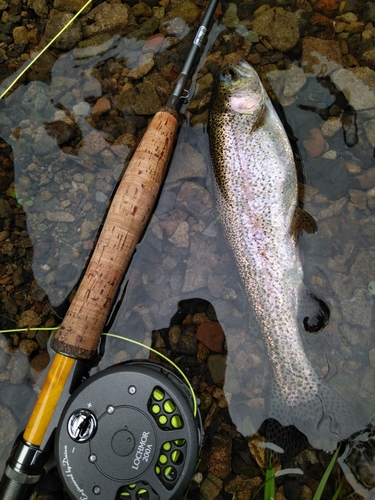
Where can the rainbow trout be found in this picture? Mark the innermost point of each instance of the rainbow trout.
(256, 194)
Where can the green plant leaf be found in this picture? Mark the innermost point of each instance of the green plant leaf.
(336, 495)
(326, 475)
(269, 485)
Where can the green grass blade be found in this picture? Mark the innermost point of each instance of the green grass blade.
(336, 495)
(326, 475)
(269, 485)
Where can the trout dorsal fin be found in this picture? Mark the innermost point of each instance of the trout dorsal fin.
(302, 221)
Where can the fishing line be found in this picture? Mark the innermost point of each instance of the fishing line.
(151, 349)
(44, 49)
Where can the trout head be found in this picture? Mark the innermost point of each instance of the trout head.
(239, 90)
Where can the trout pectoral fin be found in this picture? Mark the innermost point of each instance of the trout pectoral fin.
(312, 311)
(302, 221)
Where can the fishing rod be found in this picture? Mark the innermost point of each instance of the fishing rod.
(77, 338)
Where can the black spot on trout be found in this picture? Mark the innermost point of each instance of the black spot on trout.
(256, 194)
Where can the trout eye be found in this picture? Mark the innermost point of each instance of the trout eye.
(228, 75)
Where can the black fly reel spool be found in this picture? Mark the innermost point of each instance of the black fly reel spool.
(129, 433)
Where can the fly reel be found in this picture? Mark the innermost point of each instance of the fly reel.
(129, 433)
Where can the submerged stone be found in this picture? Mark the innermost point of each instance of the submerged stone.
(279, 27)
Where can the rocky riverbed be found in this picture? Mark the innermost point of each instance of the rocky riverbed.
(68, 129)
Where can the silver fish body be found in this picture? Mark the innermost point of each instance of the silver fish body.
(256, 194)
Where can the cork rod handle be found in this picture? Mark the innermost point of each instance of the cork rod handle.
(124, 225)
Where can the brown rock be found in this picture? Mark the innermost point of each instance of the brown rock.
(241, 486)
(314, 144)
(28, 346)
(102, 105)
(106, 18)
(29, 319)
(94, 143)
(219, 462)
(70, 5)
(366, 180)
(328, 8)
(319, 56)
(211, 334)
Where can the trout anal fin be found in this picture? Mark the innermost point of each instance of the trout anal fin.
(302, 221)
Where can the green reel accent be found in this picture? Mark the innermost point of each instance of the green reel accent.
(164, 410)
(137, 491)
(170, 461)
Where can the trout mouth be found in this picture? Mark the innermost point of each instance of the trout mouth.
(243, 88)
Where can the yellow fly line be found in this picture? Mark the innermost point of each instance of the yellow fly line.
(63, 366)
(45, 48)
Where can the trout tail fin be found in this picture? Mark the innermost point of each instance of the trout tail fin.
(324, 417)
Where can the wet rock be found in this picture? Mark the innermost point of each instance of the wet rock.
(62, 130)
(187, 11)
(328, 8)
(93, 143)
(41, 68)
(141, 9)
(20, 368)
(366, 180)
(211, 334)
(194, 199)
(60, 217)
(230, 18)
(219, 462)
(20, 36)
(369, 127)
(295, 79)
(146, 63)
(331, 178)
(358, 309)
(198, 266)
(147, 29)
(372, 357)
(242, 486)
(314, 144)
(368, 58)
(331, 126)
(70, 37)
(69, 5)
(160, 84)
(358, 198)
(180, 237)
(106, 18)
(8, 426)
(87, 228)
(40, 7)
(360, 272)
(320, 57)
(187, 163)
(40, 361)
(28, 346)
(369, 12)
(187, 343)
(19, 399)
(102, 105)
(5, 209)
(29, 319)
(216, 365)
(4, 359)
(42, 337)
(358, 86)
(279, 27)
(139, 100)
(211, 487)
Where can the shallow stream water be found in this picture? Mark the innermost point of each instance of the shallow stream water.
(66, 159)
